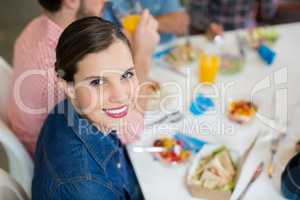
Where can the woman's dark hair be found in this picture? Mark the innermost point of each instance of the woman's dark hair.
(84, 36)
(51, 5)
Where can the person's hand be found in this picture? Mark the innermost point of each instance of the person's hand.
(146, 36)
(214, 29)
(144, 42)
(175, 22)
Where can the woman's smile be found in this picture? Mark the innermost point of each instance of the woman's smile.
(118, 112)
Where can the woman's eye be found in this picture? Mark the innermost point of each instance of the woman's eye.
(127, 75)
(96, 82)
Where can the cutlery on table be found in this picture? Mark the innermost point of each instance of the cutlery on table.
(176, 119)
(241, 45)
(274, 147)
(254, 177)
(148, 149)
(172, 117)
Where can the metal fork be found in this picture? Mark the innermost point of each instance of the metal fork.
(173, 116)
(177, 118)
(241, 45)
(254, 177)
(274, 146)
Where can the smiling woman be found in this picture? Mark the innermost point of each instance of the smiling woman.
(79, 155)
(99, 77)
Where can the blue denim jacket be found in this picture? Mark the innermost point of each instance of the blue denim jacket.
(290, 179)
(156, 8)
(74, 160)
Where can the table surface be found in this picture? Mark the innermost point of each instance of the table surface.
(274, 88)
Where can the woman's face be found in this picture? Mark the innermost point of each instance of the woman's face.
(105, 85)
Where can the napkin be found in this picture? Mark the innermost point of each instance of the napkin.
(192, 143)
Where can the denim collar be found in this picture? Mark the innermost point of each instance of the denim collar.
(101, 147)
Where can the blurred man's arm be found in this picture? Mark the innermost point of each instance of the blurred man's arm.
(174, 22)
(144, 42)
(173, 18)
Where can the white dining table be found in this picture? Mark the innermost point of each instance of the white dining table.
(275, 90)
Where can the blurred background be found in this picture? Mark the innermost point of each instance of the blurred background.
(15, 14)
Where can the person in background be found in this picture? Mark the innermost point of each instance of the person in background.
(78, 155)
(290, 179)
(172, 18)
(215, 16)
(35, 88)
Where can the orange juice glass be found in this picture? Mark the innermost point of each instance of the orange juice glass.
(208, 68)
(131, 22)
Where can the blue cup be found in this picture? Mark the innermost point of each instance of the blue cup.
(267, 54)
(196, 109)
(201, 104)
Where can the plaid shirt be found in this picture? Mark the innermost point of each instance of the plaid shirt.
(232, 14)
